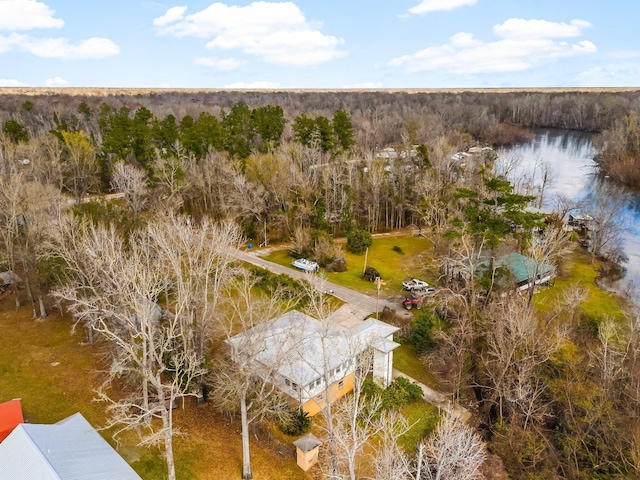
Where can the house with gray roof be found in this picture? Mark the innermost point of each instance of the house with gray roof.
(68, 450)
(313, 361)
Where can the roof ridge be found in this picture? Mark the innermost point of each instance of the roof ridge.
(40, 452)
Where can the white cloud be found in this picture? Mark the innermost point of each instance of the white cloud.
(521, 28)
(7, 82)
(172, 15)
(55, 82)
(223, 64)
(364, 85)
(437, 5)
(464, 54)
(277, 33)
(252, 85)
(27, 15)
(59, 47)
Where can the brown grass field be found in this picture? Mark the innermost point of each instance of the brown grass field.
(55, 373)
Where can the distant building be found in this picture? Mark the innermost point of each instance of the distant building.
(68, 450)
(309, 360)
(7, 279)
(580, 221)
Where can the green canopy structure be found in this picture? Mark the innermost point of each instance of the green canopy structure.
(524, 271)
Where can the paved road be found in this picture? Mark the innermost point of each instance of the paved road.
(357, 299)
(363, 302)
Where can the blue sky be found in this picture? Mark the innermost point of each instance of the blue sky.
(320, 43)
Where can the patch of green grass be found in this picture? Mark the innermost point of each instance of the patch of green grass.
(579, 269)
(423, 418)
(407, 360)
(394, 267)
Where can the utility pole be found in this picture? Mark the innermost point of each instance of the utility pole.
(366, 254)
(378, 283)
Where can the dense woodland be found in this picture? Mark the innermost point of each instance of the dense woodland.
(555, 391)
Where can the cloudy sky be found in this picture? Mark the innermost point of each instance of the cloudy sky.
(320, 43)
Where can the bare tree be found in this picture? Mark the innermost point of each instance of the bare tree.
(301, 240)
(241, 381)
(198, 259)
(455, 343)
(119, 301)
(354, 421)
(546, 248)
(12, 184)
(516, 349)
(80, 166)
(454, 452)
(132, 182)
(606, 207)
(389, 459)
(610, 355)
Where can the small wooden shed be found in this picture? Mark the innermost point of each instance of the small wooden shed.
(307, 448)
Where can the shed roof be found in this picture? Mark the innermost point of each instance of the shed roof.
(307, 443)
(10, 417)
(68, 450)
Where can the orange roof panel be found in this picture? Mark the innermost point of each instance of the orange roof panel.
(10, 417)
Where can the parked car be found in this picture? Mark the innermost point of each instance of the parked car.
(413, 284)
(422, 291)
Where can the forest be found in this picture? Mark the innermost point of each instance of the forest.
(552, 379)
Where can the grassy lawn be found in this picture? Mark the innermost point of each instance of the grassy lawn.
(405, 359)
(423, 417)
(394, 267)
(579, 269)
(210, 448)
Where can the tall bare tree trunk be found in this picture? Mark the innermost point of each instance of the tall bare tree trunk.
(15, 294)
(246, 459)
(43, 309)
(27, 282)
(167, 420)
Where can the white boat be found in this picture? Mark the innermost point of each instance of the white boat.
(305, 265)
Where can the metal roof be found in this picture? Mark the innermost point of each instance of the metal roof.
(521, 267)
(302, 349)
(68, 450)
(10, 417)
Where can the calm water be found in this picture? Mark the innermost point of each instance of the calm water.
(569, 156)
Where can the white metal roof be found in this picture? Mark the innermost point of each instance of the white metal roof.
(302, 349)
(68, 450)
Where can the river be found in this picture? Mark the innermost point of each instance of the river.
(570, 159)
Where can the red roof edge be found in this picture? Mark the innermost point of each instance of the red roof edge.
(10, 417)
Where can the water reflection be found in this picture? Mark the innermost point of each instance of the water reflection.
(569, 156)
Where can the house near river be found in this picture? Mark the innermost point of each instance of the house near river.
(312, 361)
(512, 270)
(523, 271)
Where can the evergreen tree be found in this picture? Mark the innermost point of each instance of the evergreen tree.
(239, 130)
(16, 132)
(269, 123)
(343, 129)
